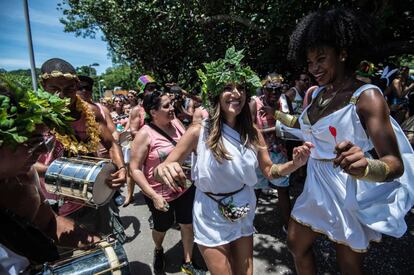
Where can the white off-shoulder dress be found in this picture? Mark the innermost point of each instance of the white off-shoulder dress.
(349, 211)
(210, 227)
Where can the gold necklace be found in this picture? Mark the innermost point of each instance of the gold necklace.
(92, 131)
(323, 103)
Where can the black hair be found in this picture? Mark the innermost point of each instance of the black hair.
(85, 80)
(339, 28)
(152, 101)
(57, 64)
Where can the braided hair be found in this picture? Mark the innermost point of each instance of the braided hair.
(339, 28)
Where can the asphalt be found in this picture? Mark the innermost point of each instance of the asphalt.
(271, 256)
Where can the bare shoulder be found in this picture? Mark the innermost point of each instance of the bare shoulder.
(372, 101)
(96, 112)
(135, 111)
(142, 137)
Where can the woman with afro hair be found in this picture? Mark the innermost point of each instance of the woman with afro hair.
(357, 179)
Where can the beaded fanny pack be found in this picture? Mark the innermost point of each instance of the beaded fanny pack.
(230, 210)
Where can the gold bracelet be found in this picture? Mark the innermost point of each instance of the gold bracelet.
(286, 119)
(376, 171)
(275, 172)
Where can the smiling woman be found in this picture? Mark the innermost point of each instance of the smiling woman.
(228, 149)
(349, 195)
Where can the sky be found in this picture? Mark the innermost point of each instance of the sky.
(49, 38)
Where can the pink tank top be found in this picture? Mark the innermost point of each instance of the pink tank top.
(101, 110)
(263, 122)
(159, 149)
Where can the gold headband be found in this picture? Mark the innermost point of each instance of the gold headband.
(58, 74)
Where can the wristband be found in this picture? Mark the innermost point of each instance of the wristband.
(286, 119)
(275, 172)
(376, 171)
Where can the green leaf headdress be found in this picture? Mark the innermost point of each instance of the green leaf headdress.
(22, 110)
(221, 72)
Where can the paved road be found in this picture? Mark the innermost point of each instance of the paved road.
(391, 256)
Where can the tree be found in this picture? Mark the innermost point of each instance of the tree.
(120, 76)
(88, 70)
(171, 39)
(22, 76)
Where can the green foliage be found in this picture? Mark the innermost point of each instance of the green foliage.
(120, 76)
(86, 70)
(227, 70)
(21, 77)
(172, 39)
(20, 116)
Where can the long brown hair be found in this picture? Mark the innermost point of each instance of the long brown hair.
(244, 126)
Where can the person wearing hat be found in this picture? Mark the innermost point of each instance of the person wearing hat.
(90, 129)
(228, 149)
(272, 99)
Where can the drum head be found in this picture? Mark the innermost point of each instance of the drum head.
(125, 138)
(102, 193)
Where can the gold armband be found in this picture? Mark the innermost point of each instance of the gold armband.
(376, 171)
(286, 119)
(275, 172)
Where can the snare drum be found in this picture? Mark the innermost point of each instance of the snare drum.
(82, 179)
(104, 258)
(125, 139)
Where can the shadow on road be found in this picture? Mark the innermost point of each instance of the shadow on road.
(136, 225)
(390, 256)
(139, 268)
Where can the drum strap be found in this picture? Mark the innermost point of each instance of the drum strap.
(164, 134)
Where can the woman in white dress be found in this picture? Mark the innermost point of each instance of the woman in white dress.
(228, 148)
(349, 196)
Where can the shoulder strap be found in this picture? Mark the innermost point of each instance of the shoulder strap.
(164, 134)
(360, 90)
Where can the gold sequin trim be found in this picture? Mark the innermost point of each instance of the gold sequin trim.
(333, 240)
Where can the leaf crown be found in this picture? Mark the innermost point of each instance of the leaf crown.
(227, 70)
(21, 110)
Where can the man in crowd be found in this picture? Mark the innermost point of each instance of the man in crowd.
(262, 109)
(90, 129)
(296, 94)
(146, 84)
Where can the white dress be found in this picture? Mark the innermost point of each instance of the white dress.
(210, 227)
(349, 211)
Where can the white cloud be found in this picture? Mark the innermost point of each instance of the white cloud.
(40, 17)
(36, 16)
(14, 63)
(70, 45)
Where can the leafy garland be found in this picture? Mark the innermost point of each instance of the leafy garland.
(92, 130)
(221, 72)
(21, 110)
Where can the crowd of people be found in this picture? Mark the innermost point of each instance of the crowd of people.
(340, 126)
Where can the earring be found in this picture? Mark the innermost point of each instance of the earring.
(343, 59)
